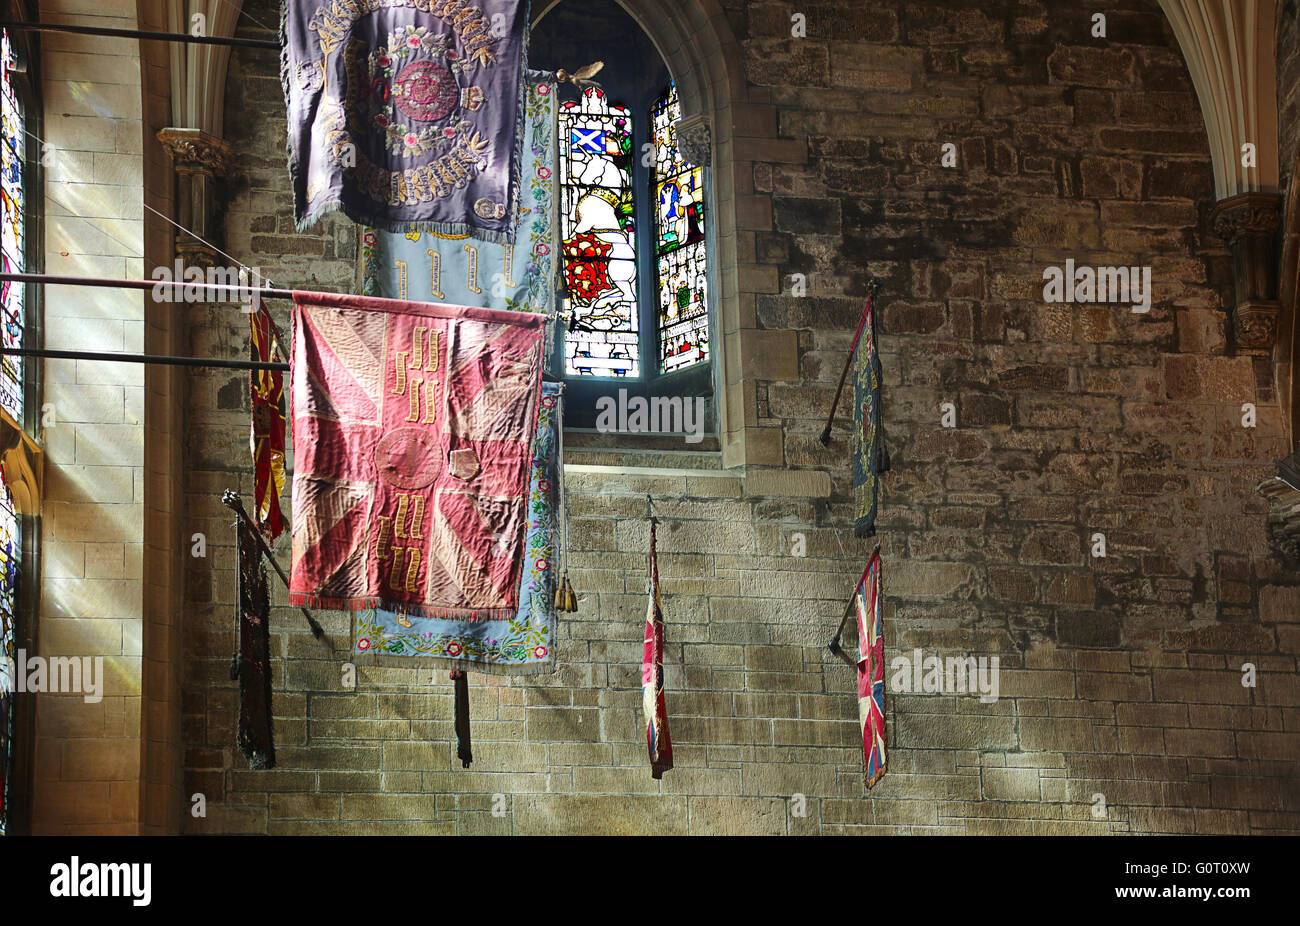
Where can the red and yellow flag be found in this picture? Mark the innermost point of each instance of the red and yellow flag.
(268, 430)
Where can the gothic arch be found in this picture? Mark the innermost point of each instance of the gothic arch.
(703, 57)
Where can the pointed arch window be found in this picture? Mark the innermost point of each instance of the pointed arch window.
(598, 231)
(601, 245)
(19, 398)
(681, 258)
(13, 233)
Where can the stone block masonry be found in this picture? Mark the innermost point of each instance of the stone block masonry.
(1122, 707)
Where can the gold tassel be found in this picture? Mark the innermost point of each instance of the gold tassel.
(570, 599)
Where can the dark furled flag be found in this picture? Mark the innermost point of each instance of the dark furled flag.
(253, 663)
(652, 676)
(870, 458)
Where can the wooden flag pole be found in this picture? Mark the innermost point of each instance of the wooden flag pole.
(231, 500)
(873, 286)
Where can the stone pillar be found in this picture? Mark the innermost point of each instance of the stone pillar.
(1248, 224)
(198, 157)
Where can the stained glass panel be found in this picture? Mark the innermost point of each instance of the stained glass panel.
(598, 231)
(10, 548)
(12, 239)
(12, 234)
(678, 189)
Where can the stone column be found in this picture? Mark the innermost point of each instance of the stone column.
(198, 158)
(1248, 223)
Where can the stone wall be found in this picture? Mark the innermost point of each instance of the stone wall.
(87, 772)
(1121, 675)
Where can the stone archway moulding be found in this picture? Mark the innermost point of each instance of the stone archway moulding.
(1230, 50)
(695, 41)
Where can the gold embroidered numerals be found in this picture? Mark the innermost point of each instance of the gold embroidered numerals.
(412, 363)
(405, 528)
(402, 287)
(435, 275)
(472, 282)
(399, 539)
(471, 271)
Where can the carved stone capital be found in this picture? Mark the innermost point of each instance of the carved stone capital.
(195, 150)
(1283, 517)
(1247, 215)
(196, 254)
(1255, 325)
(1248, 223)
(695, 140)
(23, 465)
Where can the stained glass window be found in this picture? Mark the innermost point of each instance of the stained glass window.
(12, 235)
(10, 548)
(598, 231)
(12, 238)
(678, 190)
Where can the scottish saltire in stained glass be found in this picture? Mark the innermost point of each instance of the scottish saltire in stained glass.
(678, 190)
(10, 547)
(12, 235)
(598, 235)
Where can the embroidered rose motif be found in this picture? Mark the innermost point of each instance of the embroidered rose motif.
(543, 565)
(381, 120)
(413, 41)
(453, 648)
(543, 89)
(412, 140)
(425, 91)
(540, 652)
(544, 173)
(363, 643)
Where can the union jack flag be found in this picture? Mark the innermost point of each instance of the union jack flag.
(871, 670)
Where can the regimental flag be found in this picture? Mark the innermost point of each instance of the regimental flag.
(412, 437)
(253, 661)
(871, 670)
(522, 645)
(652, 677)
(267, 437)
(463, 270)
(870, 458)
(404, 111)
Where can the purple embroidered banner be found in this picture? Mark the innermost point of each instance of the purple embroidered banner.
(406, 112)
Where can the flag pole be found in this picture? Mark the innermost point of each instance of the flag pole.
(183, 37)
(873, 286)
(231, 500)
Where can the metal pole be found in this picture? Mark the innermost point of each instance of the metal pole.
(159, 359)
(231, 500)
(146, 36)
(234, 290)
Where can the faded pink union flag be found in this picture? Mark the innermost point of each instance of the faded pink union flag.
(412, 428)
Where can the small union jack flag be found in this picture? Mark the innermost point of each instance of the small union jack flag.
(871, 670)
